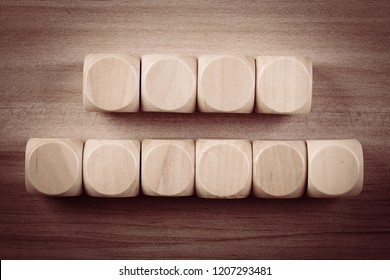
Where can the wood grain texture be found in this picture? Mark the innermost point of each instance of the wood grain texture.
(283, 84)
(226, 83)
(42, 48)
(111, 83)
(54, 167)
(279, 169)
(168, 167)
(168, 83)
(336, 168)
(111, 168)
(223, 168)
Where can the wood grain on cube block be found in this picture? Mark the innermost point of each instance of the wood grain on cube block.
(279, 169)
(226, 83)
(223, 168)
(283, 85)
(335, 168)
(168, 83)
(111, 83)
(111, 168)
(168, 167)
(54, 166)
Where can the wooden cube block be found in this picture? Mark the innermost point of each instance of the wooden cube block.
(111, 168)
(335, 168)
(223, 168)
(226, 83)
(279, 169)
(283, 85)
(111, 83)
(168, 167)
(54, 166)
(168, 83)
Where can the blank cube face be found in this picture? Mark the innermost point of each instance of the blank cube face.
(223, 168)
(335, 168)
(168, 83)
(111, 168)
(54, 166)
(111, 83)
(279, 169)
(168, 167)
(226, 84)
(283, 85)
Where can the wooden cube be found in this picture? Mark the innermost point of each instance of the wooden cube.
(111, 168)
(168, 167)
(279, 169)
(223, 168)
(335, 168)
(226, 83)
(283, 84)
(111, 83)
(168, 83)
(54, 166)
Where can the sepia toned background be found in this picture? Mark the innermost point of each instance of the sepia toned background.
(42, 47)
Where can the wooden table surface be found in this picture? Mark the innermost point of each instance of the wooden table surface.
(42, 47)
